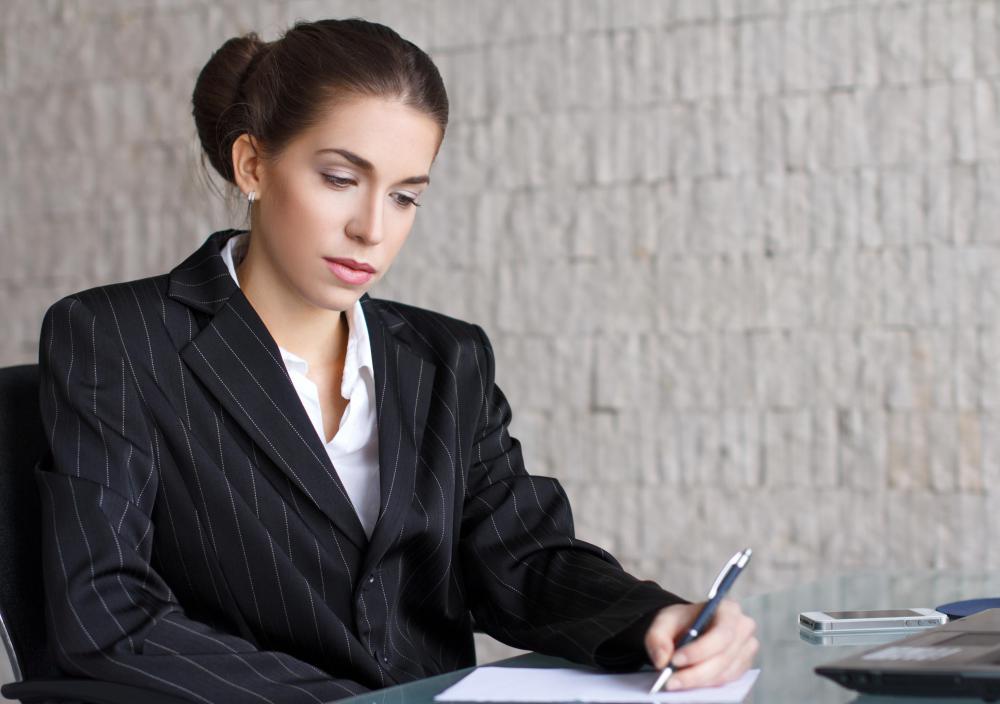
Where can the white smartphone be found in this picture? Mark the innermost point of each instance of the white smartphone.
(870, 621)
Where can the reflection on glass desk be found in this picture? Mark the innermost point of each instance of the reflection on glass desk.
(866, 639)
(786, 660)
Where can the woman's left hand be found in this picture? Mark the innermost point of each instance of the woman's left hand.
(721, 654)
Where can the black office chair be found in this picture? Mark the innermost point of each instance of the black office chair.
(22, 614)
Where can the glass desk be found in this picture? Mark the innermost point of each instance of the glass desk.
(785, 659)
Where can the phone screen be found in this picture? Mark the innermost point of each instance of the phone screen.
(891, 613)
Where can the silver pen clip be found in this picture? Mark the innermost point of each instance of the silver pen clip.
(724, 571)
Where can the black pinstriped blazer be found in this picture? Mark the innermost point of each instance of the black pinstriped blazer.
(197, 539)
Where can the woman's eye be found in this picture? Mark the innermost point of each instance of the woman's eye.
(405, 200)
(401, 199)
(338, 181)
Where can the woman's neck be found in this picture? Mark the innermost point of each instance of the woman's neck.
(318, 335)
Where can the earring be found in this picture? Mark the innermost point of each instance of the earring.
(251, 195)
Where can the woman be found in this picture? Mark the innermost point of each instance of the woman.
(266, 485)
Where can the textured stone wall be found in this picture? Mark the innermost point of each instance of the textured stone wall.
(739, 259)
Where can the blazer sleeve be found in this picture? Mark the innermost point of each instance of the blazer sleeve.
(530, 582)
(109, 615)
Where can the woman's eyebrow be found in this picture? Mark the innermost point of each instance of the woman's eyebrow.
(363, 163)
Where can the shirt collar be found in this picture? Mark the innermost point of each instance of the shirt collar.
(359, 350)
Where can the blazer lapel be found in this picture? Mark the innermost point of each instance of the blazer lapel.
(403, 383)
(236, 358)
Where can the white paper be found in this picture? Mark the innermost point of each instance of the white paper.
(527, 684)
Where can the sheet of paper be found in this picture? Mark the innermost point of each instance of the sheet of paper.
(524, 684)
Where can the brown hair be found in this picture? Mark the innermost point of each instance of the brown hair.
(274, 90)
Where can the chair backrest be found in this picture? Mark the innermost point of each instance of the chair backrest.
(22, 444)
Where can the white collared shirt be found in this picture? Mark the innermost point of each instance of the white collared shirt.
(353, 450)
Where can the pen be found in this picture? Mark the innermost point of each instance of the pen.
(719, 589)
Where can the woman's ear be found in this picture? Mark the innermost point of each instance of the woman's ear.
(246, 164)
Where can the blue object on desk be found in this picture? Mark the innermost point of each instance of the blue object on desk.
(967, 607)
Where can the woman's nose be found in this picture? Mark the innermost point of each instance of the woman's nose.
(366, 222)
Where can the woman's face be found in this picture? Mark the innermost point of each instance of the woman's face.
(339, 200)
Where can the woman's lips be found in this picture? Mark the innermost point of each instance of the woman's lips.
(350, 271)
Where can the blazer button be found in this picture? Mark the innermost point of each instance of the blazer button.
(371, 580)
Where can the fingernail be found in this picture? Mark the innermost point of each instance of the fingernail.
(680, 659)
(661, 658)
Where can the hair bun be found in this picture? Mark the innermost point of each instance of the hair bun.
(216, 100)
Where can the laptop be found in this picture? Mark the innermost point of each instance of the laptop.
(957, 659)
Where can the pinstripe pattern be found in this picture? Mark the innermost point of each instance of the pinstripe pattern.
(197, 539)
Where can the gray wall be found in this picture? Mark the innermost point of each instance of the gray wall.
(740, 259)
